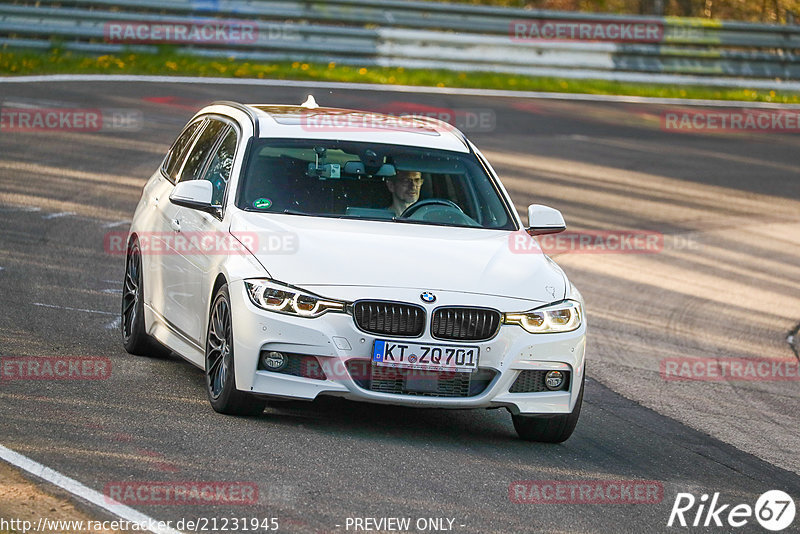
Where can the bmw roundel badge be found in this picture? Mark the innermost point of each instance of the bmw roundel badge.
(427, 296)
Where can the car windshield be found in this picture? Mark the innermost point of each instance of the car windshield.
(371, 181)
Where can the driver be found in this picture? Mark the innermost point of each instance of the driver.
(404, 187)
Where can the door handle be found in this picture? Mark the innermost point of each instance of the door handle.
(175, 224)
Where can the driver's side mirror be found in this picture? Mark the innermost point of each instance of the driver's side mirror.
(195, 194)
(544, 220)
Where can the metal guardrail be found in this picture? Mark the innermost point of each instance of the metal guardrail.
(423, 34)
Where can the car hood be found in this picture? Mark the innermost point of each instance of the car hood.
(308, 251)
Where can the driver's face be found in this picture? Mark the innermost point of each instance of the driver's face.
(406, 186)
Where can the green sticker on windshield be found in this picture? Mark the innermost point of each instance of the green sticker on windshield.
(262, 203)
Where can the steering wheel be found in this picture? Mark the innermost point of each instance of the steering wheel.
(412, 209)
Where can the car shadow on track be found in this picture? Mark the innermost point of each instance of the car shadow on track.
(613, 434)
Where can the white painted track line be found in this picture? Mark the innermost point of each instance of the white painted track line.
(61, 78)
(79, 490)
(72, 309)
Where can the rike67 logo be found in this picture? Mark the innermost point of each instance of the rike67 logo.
(774, 510)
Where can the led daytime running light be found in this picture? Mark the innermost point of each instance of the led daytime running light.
(267, 296)
(562, 317)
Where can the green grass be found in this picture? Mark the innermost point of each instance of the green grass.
(167, 62)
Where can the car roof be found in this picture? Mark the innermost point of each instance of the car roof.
(308, 121)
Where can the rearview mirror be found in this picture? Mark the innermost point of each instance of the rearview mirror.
(357, 168)
(195, 194)
(544, 220)
(386, 170)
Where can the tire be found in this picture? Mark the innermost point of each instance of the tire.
(220, 375)
(134, 337)
(549, 428)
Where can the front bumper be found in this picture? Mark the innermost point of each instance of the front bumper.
(334, 339)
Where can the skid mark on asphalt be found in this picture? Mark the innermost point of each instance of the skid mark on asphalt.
(64, 214)
(158, 460)
(96, 213)
(152, 457)
(76, 175)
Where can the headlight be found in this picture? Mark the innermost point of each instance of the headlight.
(561, 317)
(282, 299)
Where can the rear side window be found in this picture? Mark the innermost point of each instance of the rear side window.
(176, 154)
(219, 170)
(206, 141)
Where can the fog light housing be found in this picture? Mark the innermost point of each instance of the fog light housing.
(273, 361)
(554, 380)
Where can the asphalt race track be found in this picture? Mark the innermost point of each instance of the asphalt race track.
(723, 284)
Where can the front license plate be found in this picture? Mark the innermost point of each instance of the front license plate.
(424, 356)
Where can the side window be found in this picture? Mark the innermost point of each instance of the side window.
(201, 150)
(176, 154)
(219, 170)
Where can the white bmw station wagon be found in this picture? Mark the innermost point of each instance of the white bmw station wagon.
(298, 251)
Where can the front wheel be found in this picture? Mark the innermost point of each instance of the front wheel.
(220, 375)
(549, 428)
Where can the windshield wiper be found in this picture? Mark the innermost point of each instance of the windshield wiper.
(296, 212)
(334, 216)
(430, 223)
(381, 219)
